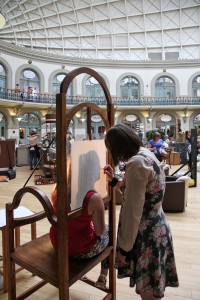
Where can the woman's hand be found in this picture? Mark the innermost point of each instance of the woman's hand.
(108, 170)
(152, 149)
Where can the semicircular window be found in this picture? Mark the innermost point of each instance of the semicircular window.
(3, 79)
(132, 121)
(129, 87)
(167, 124)
(196, 86)
(165, 87)
(57, 79)
(29, 85)
(93, 88)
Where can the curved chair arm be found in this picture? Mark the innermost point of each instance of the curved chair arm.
(44, 200)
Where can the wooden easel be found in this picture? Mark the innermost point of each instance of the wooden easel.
(38, 256)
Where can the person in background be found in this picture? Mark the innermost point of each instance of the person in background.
(187, 137)
(167, 140)
(189, 151)
(34, 149)
(156, 144)
(198, 147)
(140, 134)
(144, 251)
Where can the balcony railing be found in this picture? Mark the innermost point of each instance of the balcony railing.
(117, 101)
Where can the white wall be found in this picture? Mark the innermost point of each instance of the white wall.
(182, 75)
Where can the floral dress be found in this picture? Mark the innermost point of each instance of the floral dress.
(151, 262)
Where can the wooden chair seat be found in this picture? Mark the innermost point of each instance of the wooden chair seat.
(40, 258)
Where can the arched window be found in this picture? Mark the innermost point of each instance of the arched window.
(196, 86)
(98, 127)
(197, 124)
(93, 88)
(3, 79)
(165, 87)
(29, 84)
(129, 87)
(132, 121)
(28, 122)
(167, 124)
(58, 78)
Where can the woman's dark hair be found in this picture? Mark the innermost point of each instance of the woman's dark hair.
(122, 142)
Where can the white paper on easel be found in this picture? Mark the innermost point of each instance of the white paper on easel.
(87, 159)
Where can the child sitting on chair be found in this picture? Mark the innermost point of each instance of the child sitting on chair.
(87, 234)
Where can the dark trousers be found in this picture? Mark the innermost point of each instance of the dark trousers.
(32, 158)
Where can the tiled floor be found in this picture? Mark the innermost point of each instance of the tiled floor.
(186, 234)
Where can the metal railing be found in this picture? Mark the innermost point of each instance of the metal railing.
(117, 101)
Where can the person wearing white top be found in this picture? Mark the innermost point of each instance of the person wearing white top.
(32, 139)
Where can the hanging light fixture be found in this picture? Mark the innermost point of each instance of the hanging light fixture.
(19, 118)
(2, 20)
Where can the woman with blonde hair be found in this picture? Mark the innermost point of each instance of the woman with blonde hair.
(156, 144)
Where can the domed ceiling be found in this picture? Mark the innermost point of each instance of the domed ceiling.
(105, 29)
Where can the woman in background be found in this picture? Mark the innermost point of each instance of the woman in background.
(156, 144)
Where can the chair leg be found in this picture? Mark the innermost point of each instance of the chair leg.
(17, 236)
(4, 251)
(33, 231)
(5, 258)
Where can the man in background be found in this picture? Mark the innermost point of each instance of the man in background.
(34, 149)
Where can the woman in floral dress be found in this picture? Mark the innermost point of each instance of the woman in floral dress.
(144, 242)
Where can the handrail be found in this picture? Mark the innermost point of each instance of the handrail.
(50, 99)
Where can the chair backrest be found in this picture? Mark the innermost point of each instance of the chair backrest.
(174, 196)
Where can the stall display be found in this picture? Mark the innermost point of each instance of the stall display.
(22, 155)
(7, 158)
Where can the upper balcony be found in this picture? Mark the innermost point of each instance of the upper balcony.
(49, 100)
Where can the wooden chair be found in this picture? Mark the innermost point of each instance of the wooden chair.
(20, 212)
(38, 256)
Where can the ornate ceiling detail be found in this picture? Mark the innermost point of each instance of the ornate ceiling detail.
(112, 30)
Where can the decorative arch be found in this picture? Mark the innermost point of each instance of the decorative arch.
(165, 74)
(26, 124)
(136, 76)
(190, 81)
(170, 113)
(137, 123)
(34, 68)
(8, 69)
(191, 122)
(59, 71)
(66, 82)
